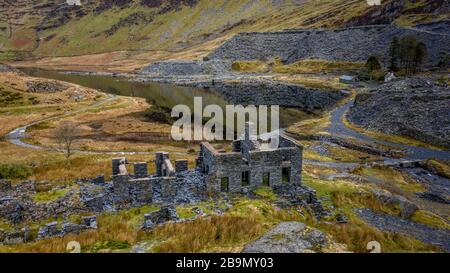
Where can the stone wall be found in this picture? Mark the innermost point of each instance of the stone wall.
(353, 44)
(181, 165)
(260, 166)
(142, 190)
(140, 169)
(121, 188)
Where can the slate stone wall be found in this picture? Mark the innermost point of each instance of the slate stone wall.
(140, 169)
(222, 168)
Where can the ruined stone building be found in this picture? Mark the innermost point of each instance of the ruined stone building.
(251, 164)
(141, 187)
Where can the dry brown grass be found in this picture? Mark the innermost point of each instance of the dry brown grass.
(247, 220)
(250, 66)
(52, 166)
(310, 126)
(203, 234)
(114, 126)
(321, 82)
(363, 200)
(357, 234)
(47, 104)
(317, 66)
(441, 167)
(18, 82)
(122, 61)
(392, 178)
(118, 125)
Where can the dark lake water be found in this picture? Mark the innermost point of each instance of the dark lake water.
(163, 95)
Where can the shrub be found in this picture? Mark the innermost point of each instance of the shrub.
(159, 114)
(444, 60)
(376, 75)
(373, 64)
(14, 172)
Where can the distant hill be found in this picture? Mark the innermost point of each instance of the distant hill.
(40, 28)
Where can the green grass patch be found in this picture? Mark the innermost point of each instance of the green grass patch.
(265, 193)
(430, 219)
(49, 196)
(185, 212)
(14, 171)
(6, 226)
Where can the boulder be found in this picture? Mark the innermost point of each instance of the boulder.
(68, 228)
(389, 77)
(49, 230)
(165, 214)
(46, 86)
(407, 208)
(288, 237)
(12, 210)
(89, 221)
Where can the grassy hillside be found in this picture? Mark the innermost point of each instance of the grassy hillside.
(51, 28)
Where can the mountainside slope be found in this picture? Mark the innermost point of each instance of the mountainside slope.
(40, 28)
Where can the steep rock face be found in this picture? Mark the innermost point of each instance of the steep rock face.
(415, 107)
(348, 44)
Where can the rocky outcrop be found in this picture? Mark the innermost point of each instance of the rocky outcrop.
(289, 237)
(165, 214)
(53, 230)
(407, 208)
(354, 44)
(46, 86)
(416, 107)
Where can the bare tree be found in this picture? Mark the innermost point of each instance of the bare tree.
(66, 134)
